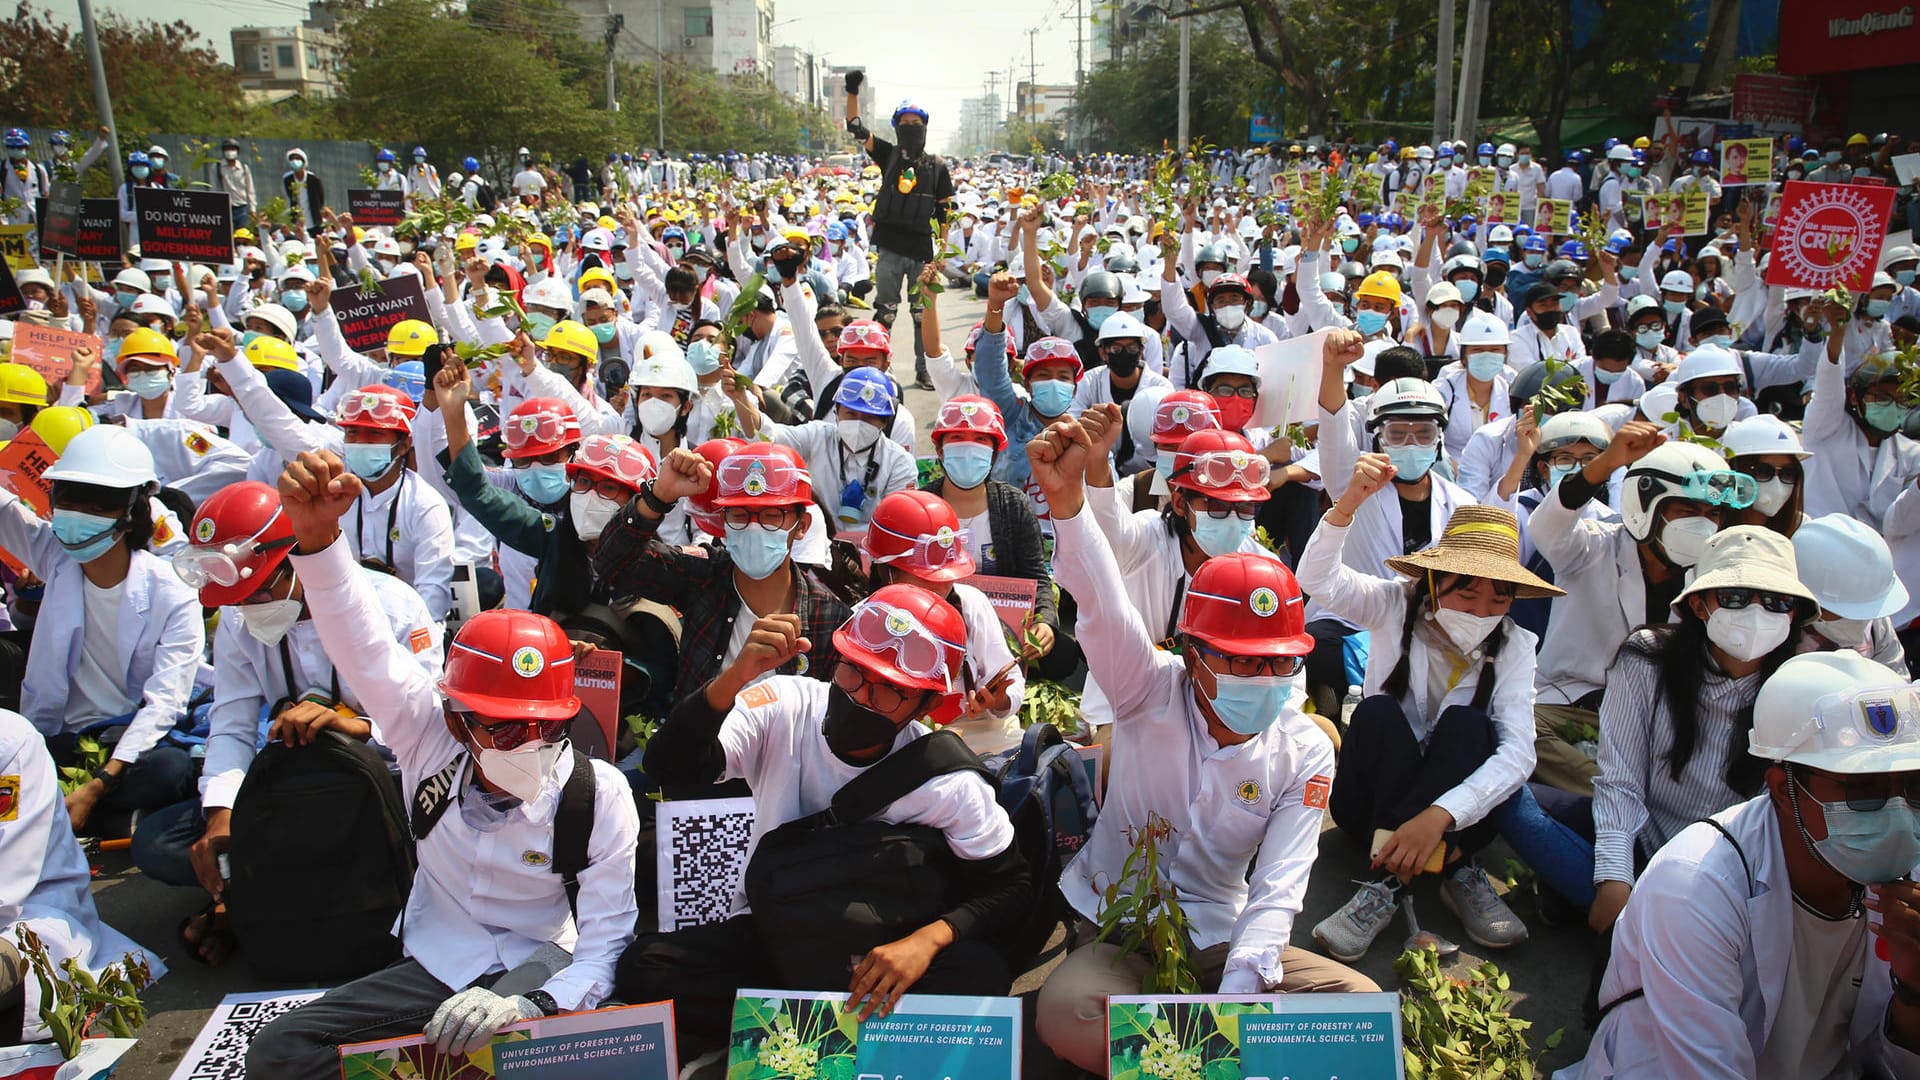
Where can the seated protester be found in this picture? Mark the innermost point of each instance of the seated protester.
(1491, 449)
(1767, 449)
(1211, 741)
(1608, 371)
(763, 492)
(1051, 371)
(1759, 371)
(1679, 706)
(1477, 389)
(1849, 570)
(23, 393)
(766, 349)
(1119, 344)
(1224, 322)
(188, 456)
(1169, 420)
(719, 394)
(1709, 386)
(1435, 334)
(857, 464)
(1617, 574)
(119, 637)
(1861, 460)
(490, 937)
(1444, 732)
(201, 392)
(267, 657)
(145, 361)
(1747, 949)
(798, 741)
(561, 367)
(1003, 536)
(1566, 277)
(1544, 332)
(1647, 320)
(824, 361)
(916, 539)
(1566, 443)
(49, 887)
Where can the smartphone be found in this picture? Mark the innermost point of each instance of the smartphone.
(1002, 677)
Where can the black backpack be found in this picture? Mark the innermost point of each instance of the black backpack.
(1044, 788)
(321, 862)
(484, 198)
(828, 887)
(572, 820)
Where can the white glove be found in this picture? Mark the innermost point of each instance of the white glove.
(464, 1022)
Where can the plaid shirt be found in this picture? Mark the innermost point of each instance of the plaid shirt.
(633, 561)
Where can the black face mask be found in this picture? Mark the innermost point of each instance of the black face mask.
(1123, 362)
(1547, 321)
(1496, 276)
(912, 139)
(851, 728)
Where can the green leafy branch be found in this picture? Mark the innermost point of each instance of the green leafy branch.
(1056, 186)
(1462, 1027)
(90, 755)
(478, 356)
(73, 1000)
(1142, 912)
(1049, 702)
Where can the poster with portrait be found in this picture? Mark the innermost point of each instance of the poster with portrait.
(1746, 161)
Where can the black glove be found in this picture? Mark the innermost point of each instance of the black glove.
(788, 265)
(858, 130)
(854, 81)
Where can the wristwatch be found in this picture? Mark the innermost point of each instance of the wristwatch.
(109, 780)
(543, 1001)
(654, 502)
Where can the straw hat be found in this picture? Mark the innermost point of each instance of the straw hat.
(1748, 557)
(1482, 542)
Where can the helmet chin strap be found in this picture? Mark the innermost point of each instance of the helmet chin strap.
(1854, 905)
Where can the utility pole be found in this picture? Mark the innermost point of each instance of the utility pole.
(1033, 91)
(102, 100)
(1443, 72)
(1079, 70)
(1186, 53)
(660, 77)
(1466, 117)
(614, 23)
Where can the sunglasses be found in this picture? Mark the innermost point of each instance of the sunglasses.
(1736, 599)
(1867, 796)
(1215, 508)
(1706, 388)
(511, 734)
(1763, 472)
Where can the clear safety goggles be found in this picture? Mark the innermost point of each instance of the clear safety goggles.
(884, 629)
(756, 476)
(1182, 418)
(1715, 487)
(199, 567)
(970, 416)
(378, 408)
(1409, 433)
(1854, 720)
(544, 426)
(624, 458)
(864, 335)
(1227, 468)
(929, 552)
(1050, 349)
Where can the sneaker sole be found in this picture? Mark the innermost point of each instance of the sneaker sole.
(1446, 901)
(1327, 947)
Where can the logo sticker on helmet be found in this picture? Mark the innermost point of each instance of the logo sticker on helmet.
(1264, 602)
(944, 536)
(1880, 717)
(527, 662)
(1180, 414)
(898, 624)
(203, 530)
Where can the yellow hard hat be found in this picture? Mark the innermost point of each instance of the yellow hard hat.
(21, 385)
(269, 353)
(542, 240)
(796, 236)
(1381, 286)
(573, 337)
(786, 201)
(599, 275)
(58, 424)
(466, 241)
(143, 343)
(607, 223)
(1642, 143)
(410, 337)
(243, 233)
(670, 216)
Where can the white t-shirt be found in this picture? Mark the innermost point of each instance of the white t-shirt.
(99, 679)
(981, 535)
(742, 629)
(529, 182)
(1809, 1036)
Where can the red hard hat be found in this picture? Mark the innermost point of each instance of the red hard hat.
(700, 507)
(763, 474)
(1180, 414)
(1221, 465)
(1230, 283)
(907, 637)
(508, 664)
(1247, 605)
(539, 426)
(620, 458)
(866, 335)
(971, 414)
(239, 537)
(377, 408)
(916, 531)
(1050, 350)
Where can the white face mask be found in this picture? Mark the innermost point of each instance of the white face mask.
(269, 622)
(1749, 633)
(1846, 633)
(657, 416)
(591, 513)
(1717, 411)
(857, 435)
(1772, 496)
(1465, 629)
(1685, 539)
(1445, 318)
(1230, 317)
(522, 772)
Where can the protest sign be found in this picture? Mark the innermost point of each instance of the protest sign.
(1829, 234)
(1907, 168)
(60, 223)
(1746, 161)
(370, 208)
(1553, 216)
(219, 1052)
(1687, 209)
(700, 858)
(1012, 597)
(926, 1035)
(179, 223)
(23, 465)
(10, 299)
(45, 1061)
(13, 244)
(1500, 207)
(626, 1042)
(1257, 1036)
(50, 352)
(596, 679)
(99, 235)
(1773, 104)
(1289, 380)
(366, 316)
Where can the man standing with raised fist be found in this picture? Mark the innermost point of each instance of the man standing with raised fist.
(915, 191)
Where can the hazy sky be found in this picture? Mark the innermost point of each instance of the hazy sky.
(937, 62)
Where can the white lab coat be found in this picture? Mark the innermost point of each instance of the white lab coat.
(190, 456)
(1711, 955)
(1597, 562)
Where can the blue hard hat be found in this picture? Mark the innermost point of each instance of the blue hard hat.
(1795, 144)
(866, 390)
(1639, 157)
(1610, 143)
(469, 164)
(1573, 250)
(419, 151)
(384, 155)
(138, 157)
(1444, 151)
(61, 138)
(673, 232)
(1485, 148)
(1392, 147)
(1671, 246)
(836, 231)
(1533, 244)
(1364, 219)
(1702, 157)
(907, 108)
(16, 137)
(1497, 254)
(1522, 229)
(409, 377)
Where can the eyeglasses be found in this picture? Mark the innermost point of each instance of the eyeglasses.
(1225, 392)
(1567, 461)
(771, 517)
(557, 457)
(881, 697)
(1706, 388)
(611, 490)
(1409, 434)
(1862, 793)
(1225, 469)
(1221, 509)
(756, 476)
(1734, 599)
(1763, 472)
(1248, 667)
(510, 734)
(916, 650)
(830, 334)
(545, 426)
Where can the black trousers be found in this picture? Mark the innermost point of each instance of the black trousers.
(1386, 777)
(702, 967)
(1327, 666)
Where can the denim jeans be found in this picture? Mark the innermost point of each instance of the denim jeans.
(162, 840)
(1560, 855)
(891, 275)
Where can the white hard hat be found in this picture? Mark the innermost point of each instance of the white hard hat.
(1660, 400)
(1505, 148)
(1659, 476)
(1443, 293)
(1333, 281)
(1462, 262)
(1839, 712)
(1620, 152)
(1762, 434)
(1500, 234)
(597, 240)
(1677, 281)
(1883, 279)
(1408, 398)
(1424, 153)
(1368, 354)
(656, 341)
(665, 368)
(1131, 292)
(1384, 255)
(159, 266)
(149, 304)
(1705, 362)
(548, 292)
(1228, 360)
(107, 456)
(1848, 567)
(386, 245)
(277, 317)
(1564, 428)
(1643, 302)
(134, 279)
(1122, 325)
(1899, 253)
(33, 276)
(596, 297)
(297, 272)
(1482, 328)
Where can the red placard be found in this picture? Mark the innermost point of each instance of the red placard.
(1773, 104)
(22, 461)
(50, 352)
(1846, 35)
(1013, 598)
(596, 679)
(1828, 235)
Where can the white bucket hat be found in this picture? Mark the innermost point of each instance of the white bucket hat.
(1747, 557)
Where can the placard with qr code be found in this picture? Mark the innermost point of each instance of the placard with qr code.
(219, 1052)
(701, 853)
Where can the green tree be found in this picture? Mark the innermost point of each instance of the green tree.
(1134, 103)
(163, 76)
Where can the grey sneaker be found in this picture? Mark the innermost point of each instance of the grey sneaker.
(1348, 933)
(1488, 920)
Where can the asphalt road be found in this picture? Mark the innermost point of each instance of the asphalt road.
(1549, 970)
